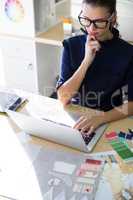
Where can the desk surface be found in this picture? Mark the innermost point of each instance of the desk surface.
(53, 36)
(101, 146)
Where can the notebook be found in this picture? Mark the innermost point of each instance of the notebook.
(56, 132)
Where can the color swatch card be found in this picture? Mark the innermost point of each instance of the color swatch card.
(120, 146)
(88, 176)
(126, 136)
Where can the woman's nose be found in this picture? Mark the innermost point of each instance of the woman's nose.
(92, 27)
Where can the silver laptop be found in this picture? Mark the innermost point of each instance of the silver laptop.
(56, 132)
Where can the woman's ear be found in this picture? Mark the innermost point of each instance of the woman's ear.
(113, 22)
(114, 19)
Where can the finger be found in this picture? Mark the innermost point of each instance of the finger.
(81, 124)
(94, 42)
(92, 47)
(88, 39)
(92, 37)
(91, 44)
(86, 128)
(87, 131)
(78, 121)
(97, 49)
(91, 130)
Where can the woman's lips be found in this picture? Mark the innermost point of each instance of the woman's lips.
(93, 34)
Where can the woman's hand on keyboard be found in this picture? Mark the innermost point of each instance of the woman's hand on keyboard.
(88, 123)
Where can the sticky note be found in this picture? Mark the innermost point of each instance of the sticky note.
(64, 167)
(86, 180)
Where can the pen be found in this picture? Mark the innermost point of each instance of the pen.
(7, 197)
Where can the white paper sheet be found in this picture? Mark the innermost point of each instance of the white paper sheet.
(64, 167)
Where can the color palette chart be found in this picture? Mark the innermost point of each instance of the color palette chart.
(14, 10)
(88, 176)
(120, 146)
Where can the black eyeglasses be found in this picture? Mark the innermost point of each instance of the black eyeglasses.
(98, 23)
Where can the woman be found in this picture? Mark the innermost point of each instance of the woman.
(96, 66)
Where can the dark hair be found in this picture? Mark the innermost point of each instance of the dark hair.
(109, 4)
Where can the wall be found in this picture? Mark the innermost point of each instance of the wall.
(2, 79)
(125, 18)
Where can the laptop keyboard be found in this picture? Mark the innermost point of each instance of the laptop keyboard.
(87, 138)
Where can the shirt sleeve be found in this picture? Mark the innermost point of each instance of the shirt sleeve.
(66, 71)
(129, 81)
